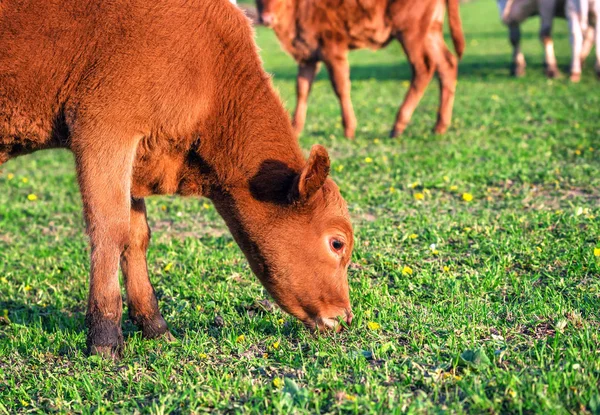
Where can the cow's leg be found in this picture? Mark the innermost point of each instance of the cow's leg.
(339, 72)
(141, 300)
(547, 10)
(447, 68)
(576, 38)
(589, 38)
(306, 75)
(597, 36)
(422, 72)
(518, 59)
(104, 167)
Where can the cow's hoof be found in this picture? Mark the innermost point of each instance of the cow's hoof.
(440, 128)
(397, 131)
(518, 71)
(105, 339)
(349, 132)
(553, 72)
(575, 77)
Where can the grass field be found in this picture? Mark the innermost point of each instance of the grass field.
(489, 304)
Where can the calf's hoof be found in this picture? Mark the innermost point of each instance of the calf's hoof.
(105, 339)
(153, 327)
(575, 77)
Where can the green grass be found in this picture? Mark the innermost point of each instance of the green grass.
(512, 286)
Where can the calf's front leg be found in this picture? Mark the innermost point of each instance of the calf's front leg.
(141, 299)
(306, 75)
(104, 173)
(339, 73)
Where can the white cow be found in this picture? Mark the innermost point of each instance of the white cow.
(578, 13)
(515, 12)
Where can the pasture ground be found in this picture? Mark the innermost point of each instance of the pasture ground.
(483, 305)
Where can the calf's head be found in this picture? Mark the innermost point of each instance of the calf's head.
(294, 228)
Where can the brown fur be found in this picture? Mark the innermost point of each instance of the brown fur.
(170, 97)
(325, 30)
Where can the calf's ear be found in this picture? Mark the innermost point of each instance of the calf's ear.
(313, 175)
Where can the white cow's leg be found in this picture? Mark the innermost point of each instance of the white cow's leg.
(546, 9)
(518, 59)
(576, 37)
(589, 38)
(597, 16)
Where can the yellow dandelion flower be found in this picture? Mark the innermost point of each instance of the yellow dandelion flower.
(413, 236)
(512, 393)
(597, 252)
(467, 229)
(467, 197)
(206, 205)
(578, 152)
(407, 270)
(446, 179)
(453, 188)
(280, 322)
(198, 307)
(419, 196)
(203, 356)
(275, 345)
(414, 184)
(537, 248)
(446, 268)
(376, 141)
(350, 397)
(168, 267)
(278, 382)
(368, 160)
(240, 338)
(32, 197)
(435, 251)
(25, 180)
(373, 325)
(163, 208)
(10, 176)
(591, 149)
(27, 288)
(392, 189)
(339, 168)
(3, 280)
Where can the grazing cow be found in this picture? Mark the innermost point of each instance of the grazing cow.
(514, 12)
(578, 13)
(170, 97)
(325, 30)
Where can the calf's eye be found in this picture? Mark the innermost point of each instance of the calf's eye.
(337, 245)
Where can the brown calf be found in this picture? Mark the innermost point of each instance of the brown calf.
(170, 97)
(325, 30)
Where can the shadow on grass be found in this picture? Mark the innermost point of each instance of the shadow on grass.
(496, 67)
